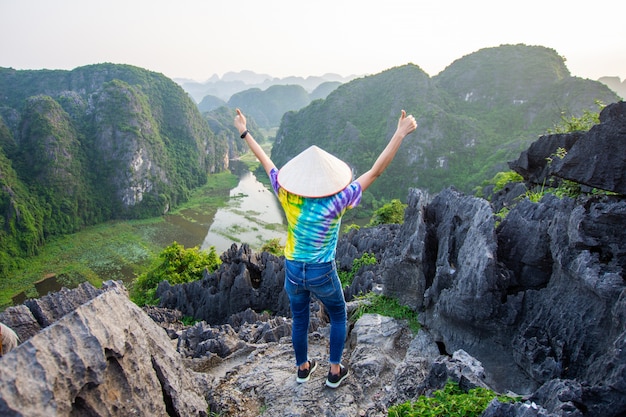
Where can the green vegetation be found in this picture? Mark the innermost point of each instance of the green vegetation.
(346, 277)
(274, 247)
(474, 117)
(175, 265)
(450, 401)
(390, 213)
(100, 134)
(579, 124)
(118, 250)
(385, 306)
(559, 187)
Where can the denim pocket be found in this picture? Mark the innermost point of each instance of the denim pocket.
(324, 286)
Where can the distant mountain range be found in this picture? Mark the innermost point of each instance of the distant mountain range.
(267, 98)
(234, 82)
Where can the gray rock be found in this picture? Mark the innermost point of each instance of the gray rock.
(599, 158)
(535, 163)
(21, 320)
(52, 307)
(105, 358)
(244, 280)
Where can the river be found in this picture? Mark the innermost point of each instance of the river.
(252, 215)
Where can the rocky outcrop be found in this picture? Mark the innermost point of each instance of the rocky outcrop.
(244, 280)
(596, 158)
(105, 358)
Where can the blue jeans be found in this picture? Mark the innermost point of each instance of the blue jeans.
(303, 279)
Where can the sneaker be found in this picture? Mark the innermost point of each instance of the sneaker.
(333, 381)
(304, 375)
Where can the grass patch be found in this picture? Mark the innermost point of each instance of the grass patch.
(346, 277)
(385, 306)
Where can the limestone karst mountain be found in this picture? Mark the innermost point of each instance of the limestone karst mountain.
(534, 305)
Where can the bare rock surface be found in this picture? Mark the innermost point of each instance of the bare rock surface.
(105, 358)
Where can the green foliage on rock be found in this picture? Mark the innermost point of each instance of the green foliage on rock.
(390, 213)
(346, 277)
(372, 303)
(274, 247)
(451, 401)
(175, 265)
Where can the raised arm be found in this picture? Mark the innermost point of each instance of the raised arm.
(240, 124)
(406, 125)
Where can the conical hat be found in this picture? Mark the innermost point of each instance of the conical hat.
(314, 173)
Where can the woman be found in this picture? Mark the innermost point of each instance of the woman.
(315, 189)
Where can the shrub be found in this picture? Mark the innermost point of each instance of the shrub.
(175, 265)
(582, 123)
(390, 213)
(346, 277)
(274, 247)
(451, 401)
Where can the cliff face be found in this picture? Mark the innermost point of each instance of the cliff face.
(132, 135)
(97, 143)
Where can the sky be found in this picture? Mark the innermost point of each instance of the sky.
(195, 39)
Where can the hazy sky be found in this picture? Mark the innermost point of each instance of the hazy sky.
(198, 38)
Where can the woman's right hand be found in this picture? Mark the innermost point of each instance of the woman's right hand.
(240, 122)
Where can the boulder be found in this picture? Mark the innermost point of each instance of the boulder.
(105, 358)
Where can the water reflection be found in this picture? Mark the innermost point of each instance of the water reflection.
(252, 215)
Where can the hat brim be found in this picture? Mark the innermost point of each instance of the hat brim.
(315, 173)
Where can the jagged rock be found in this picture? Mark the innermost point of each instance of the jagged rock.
(244, 280)
(599, 158)
(52, 307)
(572, 328)
(463, 300)
(596, 158)
(420, 356)
(105, 358)
(202, 339)
(560, 397)
(524, 243)
(534, 164)
(170, 320)
(29, 318)
(21, 320)
(518, 409)
(405, 265)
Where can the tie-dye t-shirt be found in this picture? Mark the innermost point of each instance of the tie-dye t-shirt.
(313, 223)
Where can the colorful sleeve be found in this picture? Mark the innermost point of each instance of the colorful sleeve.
(353, 194)
(274, 180)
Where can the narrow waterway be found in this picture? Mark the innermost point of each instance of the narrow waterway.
(252, 215)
